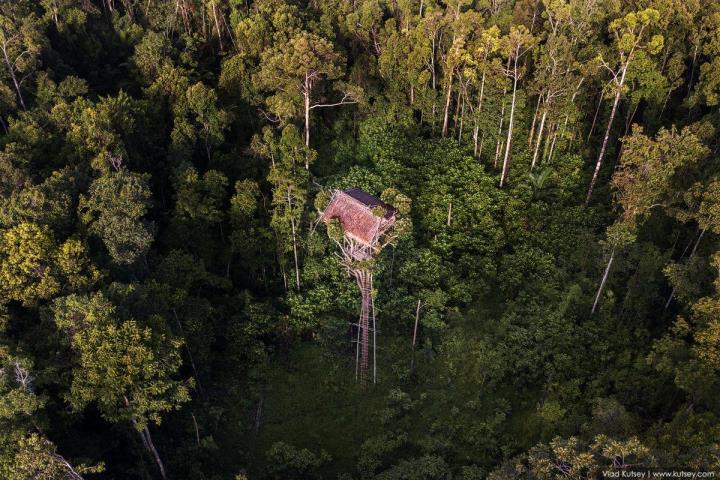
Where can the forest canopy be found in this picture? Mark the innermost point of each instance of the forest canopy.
(544, 300)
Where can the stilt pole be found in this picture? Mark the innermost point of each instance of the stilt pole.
(363, 277)
(372, 306)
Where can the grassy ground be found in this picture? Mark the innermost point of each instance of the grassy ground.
(312, 401)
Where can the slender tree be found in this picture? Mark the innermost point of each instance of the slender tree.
(289, 180)
(518, 42)
(296, 69)
(631, 34)
(122, 366)
(20, 44)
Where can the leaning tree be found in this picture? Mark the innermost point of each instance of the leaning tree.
(362, 225)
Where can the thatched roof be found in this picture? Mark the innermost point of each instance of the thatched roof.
(354, 208)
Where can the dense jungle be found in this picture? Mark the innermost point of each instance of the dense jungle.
(173, 307)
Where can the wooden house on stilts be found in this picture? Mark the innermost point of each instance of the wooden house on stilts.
(363, 219)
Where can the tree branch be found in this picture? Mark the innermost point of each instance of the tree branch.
(347, 99)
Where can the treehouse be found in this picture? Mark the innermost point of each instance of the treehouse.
(364, 219)
(365, 223)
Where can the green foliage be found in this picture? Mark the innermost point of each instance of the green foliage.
(26, 264)
(124, 367)
(288, 461)
(646, 178)
(34, 456)
(114, 211)
(160, 192)
(564, 458)
(200, 198)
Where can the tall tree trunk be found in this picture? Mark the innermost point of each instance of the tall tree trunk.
(414, 338)
(13, 76)
(539, 138)
(462, 118)
(630, 118)
(457, 107)
(434, 83)
(479, 110)
(552, 144)
(692, 254)
(597, 112)
(295, 253)
(147, 442)
(508, 145)
(190, 356)
(446, 114)
(258, 414)
(476, 132)
(217, 26)
(692, 67)
(604, 279)
(306, 95)
(498, 146)
(598, 164)
(534, 121)
(155, 454)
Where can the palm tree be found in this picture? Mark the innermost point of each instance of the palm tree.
(540, 184)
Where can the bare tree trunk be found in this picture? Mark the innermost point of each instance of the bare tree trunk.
(306, 94)
(11, 71)
(598, 164)
(498, 146)
(295, 254)
(462, 118)
(604, 279)
(72, 474)
(258, 414)
(534, 121)
(414, 338)
(539, 138)
(217, 26)
(552, 144)
(434, 83)
(692, 67)
(457, 107)
(155, 454)
(197, 430)
(692, 254)
(630, 118)
(190, 356)
(508, 145)
(446, 114)
(476, 132)
(479, 110)
(147, 442)
(597, 111)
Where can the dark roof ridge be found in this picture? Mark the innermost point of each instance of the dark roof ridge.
(368, 200)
